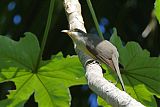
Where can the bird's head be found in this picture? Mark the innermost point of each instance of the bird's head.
(75, 34)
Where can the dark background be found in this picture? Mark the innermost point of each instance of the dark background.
(130, 17)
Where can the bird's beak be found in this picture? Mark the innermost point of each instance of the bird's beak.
(66, 31)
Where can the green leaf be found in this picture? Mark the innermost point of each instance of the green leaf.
(48, 92)
(63, 69)
(23, 53)
(49, 85)
(157, 9)
(140, 72)
(101, 102)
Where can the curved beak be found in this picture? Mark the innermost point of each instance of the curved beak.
(66, 31)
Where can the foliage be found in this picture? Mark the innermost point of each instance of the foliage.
(157, 9)
(49, 84)
(140, 72)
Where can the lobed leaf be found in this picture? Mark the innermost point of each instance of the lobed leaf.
(140, 72)
(49, 84)
(22, 54)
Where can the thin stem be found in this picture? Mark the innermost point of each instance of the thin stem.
(43, 43)
(94, 18)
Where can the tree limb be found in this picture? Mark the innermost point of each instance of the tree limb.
(94, 75)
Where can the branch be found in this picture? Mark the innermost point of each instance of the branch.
(94, 75)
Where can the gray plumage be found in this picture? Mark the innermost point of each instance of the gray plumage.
(105, 52)
(101, 50)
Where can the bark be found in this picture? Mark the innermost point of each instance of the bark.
(102, 87)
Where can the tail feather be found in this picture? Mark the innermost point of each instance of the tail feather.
(116, 65)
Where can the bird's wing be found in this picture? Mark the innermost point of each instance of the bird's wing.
(107, 53)
(103, 55)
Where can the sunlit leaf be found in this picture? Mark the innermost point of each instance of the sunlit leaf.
(49, 84)
(157, 9)
(140, 72)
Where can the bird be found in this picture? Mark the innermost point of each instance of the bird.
(101, 50)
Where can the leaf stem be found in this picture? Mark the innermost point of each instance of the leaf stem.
(94, 18)
(47, 28)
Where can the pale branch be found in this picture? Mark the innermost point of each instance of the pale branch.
(94, 75)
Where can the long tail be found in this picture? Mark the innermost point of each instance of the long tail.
(116, 65)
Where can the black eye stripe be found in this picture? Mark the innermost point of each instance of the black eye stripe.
(78, 30)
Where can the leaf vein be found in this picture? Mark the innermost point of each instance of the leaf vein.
(144, 83)
(45, 88)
